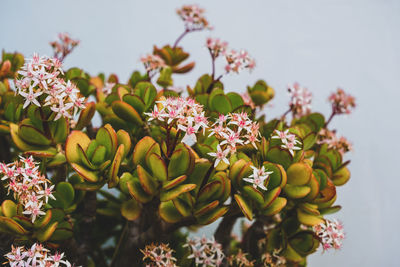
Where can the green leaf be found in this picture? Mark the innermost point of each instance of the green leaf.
(104, 138)
(170, 184)
(275, 207)
(165, 78)
(123, 138)
(308, 219)
(209, 192)
(235, 99)
(280, 156)
(86, 115)
(44, 234)
(135, 101)
(212, 216)
(157, 167)
(141, 148)
(32, 135)
(341, 176)
(131, 210)
(176, 191)
(270, 196)
(148, 183)
(12, 226)
(205, 208)
(113, 172)
(168, 212)
(43, 220)
(86, 174)
(294, 191)
(9, 208)
(278, 177)
(304, 242)
(71, 148)
(99, 155)
(200, 170)
(126, 112)
(126, 178)
(245, 206)
(222, 104)
(137, 192)
(179, 163)
(254, 194)
(66, 192)
(299, 173)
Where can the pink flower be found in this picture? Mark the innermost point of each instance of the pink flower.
(184, 114)
(152, 63)
(330, 233)
(238, 61)
(43, 76)
(300, 100)
(63, 46)
(216, 46)
(220, 155)
(342, 103)
(193, 17)
(288, 140)
(329, 137)
(37, 255)
(28, 185)
(205, 251)
(258, 178)
(30, 97)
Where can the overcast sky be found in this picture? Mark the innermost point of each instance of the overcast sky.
(320, 44)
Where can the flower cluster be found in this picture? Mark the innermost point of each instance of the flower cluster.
(42, 77)
(107, 89)
(342, 103)
(288, 140)
(247, 100)
(300, 100)
(37, 255)
(238, 61)
(239, 259)
(205, 251)
(233, 129)
(273, 259)
(216, 46)
(64, 45)
(193, 17)
(159, 255)
(152, 63)
(330, 138)
(259, 177)
(187, 115)
(30, 188)
(331, 234)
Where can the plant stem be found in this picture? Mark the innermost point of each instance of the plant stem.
(212, 64)
(223, 232)
(284, 114)
(88, 219)
(180, 38)
(118, 247)
(251, 237)
(330, 119)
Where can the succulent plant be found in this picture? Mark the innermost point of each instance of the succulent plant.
(159, 165)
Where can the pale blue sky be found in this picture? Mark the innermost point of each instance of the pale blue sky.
(320, 44)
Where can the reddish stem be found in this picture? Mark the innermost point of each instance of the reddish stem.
(330, 118)
(180, 38)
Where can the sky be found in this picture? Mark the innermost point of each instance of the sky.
(353, 44)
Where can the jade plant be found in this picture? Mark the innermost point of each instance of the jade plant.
(136, 186)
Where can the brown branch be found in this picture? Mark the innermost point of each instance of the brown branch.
(224, 230)
(86, 226)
